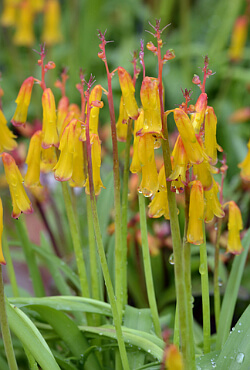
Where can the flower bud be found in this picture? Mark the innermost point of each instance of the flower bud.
(23, 101)
(128, 93)
(196, 214)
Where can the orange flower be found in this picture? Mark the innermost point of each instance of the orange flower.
(245, 166)
(121, 126)
(234, 226)
(52, 18)
(128, 93)
(173, 359)
(151, 105)
(7, 138)
(196, 214)
(2, 260)
(149, 183)
(200, 109)
(23, 101)
(239, 38)
(32, 177)
(96, 165)
(24, 35)
(50, 135)
(20, 200)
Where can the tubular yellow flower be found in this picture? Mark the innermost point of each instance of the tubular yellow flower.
(128, 93)
(23, 101)
(66, 121)
(203, 173)
(239, 38)
(245, 166)
(37, 5)
(78, 178)
(2, 260)
(193, 148)
(62, 111)
(8, 17)
(173, 359)
(149, 183)
(200, 109)
(159, 205)
(50, 135)
(235, 224)
(151, 105)
(7, 138)
(48, 159)
(179, 165)
(24, 35)
(32, 177)
(135, 164)
(95, 95)
(52, 18)
(20, 200)
(121, 126)
(96, 165)
(196, 214)
(212, 204)
(211, 145)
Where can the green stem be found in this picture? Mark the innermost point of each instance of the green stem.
(10, 267)
(5, 328)
(205, 294)
(30, 258)
(176, 339)
(216, 275)
(31, 360)
(76, 241)
(147, 266)
(125, 213)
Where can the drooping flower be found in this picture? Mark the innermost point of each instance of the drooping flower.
(121, 126)
(149, 183)
(50, 135)
(200, 109)
(179, 166)
(78, 178)
(234, 226)
(48, 159)
(173, 359)
(191, 144)
(212, 204)
(135, 166)
(239, 38)
(52, 17)
(196, 214)
(96, 165)
(245, 166)
(23, 101)
(159, 205)
(210, 142)
(2, 260)
(128, 93)
(62, 111)
(7, 138)
(33, 160)
(203, 172)
(150, 100)
(20, 200)
(8, 17)
(24, 35)
(95, 96)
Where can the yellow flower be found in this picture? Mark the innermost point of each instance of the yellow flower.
(32, 177)
(151, 105)
(149, 183)
(50, 135)
(62, 111)
(173, 359)
(196, 214)
(78, 177)
(2, 260)
(8, 17)
(52, 18)
(203, 172)
(210, 143)
(95, 95)
(135, 164)
(37, 5)
(23, 101)
(179, 165)
(96, 165)
(192, 146)
(212, 204)
(7, 138)
(245, 166)
(121, 126)
(128, 93)
(200, 109)
(239, 38)
(234, 226)
(20, 200)
(48, 159)
(24, 35)
(159, 205)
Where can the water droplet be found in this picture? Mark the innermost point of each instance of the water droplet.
(240, 323)
(216, 226)
(149, 350)
(233, 329)
(171, 259)
(240, 358)
(202, 269)
(220, 282)
(100, 333)
(157, 144)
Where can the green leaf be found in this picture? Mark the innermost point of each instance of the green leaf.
(235, 354)
(231, 293)
(68, 332)
(30, 337)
